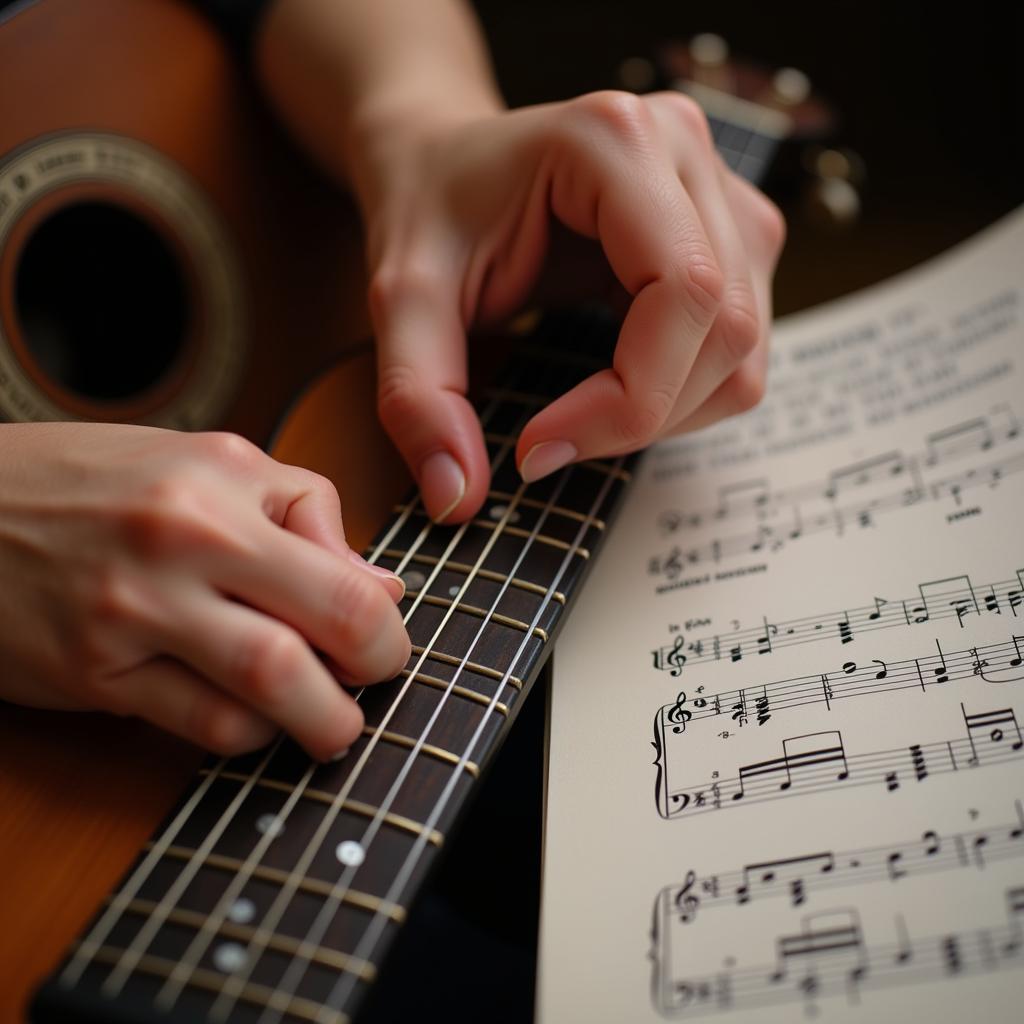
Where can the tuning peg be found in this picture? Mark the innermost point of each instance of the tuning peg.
(790, 87)
(709, 50)
(709, 57)
(832, 197)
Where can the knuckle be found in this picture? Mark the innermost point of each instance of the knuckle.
(646, 416)
(398, 396)
(228, 449)
(355, 607)
(771, 223)
(746, 389)
(169, 518)
(690, 113)
(704, 285)
(112, 598)
(623, 114)
(222, 729)
(396, 280)
(269, 663)
(740, 326)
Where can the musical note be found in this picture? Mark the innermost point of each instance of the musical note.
(990, 723)
(762, 708)
(818, 762)
(845, 632)
(800, 753)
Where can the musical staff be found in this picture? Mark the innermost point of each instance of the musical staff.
(994, 663)
(819, 762)
(893, 475)
(954, 597)
(830, 957)
(852, 497)
(795, 880)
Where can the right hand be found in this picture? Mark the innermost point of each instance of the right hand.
(186, 579)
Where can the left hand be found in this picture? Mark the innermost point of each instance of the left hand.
(459, 227)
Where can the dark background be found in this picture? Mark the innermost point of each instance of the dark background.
(931, 100)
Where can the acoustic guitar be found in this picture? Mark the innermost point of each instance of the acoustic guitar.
(274, 887)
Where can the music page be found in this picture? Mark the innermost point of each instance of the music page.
(786, 764)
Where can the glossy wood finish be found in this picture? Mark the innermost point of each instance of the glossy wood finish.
(156, 72)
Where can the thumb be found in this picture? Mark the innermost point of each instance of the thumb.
(422, 379)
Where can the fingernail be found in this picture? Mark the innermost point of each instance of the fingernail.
(339, 756)
(443, 485)
(394, 583)
(545, 458)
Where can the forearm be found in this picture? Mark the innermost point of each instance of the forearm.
(353, 78)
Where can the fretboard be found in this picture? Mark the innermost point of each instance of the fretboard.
(274, 889)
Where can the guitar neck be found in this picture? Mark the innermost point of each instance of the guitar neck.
(275, 887)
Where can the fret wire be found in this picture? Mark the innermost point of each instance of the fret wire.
(342, 990)
(375, 825)
(117, 977)
(536, 503)
(458, 691)
(480, 670)
(258, 995)
(169, 992)
(438, 753)
(480, 613)
(229, 991)
(487, 574)
(517, 531)
(323, 796)
(99, 932)
(282, 943)
(313, 886)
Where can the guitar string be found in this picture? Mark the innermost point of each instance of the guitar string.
(324, 918)
(235, 982)
(343, 987)
(189, 962)
(94, 940)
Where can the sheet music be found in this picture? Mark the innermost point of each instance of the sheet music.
(786, 765)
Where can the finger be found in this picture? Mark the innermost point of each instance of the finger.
(268, 667)
(738, 326)
(178, 700)
(740, 392)
(422, 379)
(616, 186)
(311, 508)
(764, 233)
(339, 607)
(307, 504)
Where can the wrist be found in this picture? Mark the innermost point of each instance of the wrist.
(387, 135)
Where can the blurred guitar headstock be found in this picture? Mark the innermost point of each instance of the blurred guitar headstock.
(795, 153)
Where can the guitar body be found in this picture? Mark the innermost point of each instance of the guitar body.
(165, 255)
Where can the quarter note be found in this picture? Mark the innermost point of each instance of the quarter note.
(845, 632)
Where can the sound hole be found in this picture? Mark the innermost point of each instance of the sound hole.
(102, 301)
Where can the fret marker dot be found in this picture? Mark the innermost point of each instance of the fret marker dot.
(242, 911)
(413, 580)
(350, 853)
(270, 825)
(453, 590)
(230, 957)
(497, 511)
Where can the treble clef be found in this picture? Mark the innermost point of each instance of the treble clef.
(675, 658)
(685, 901)
(678, 715)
